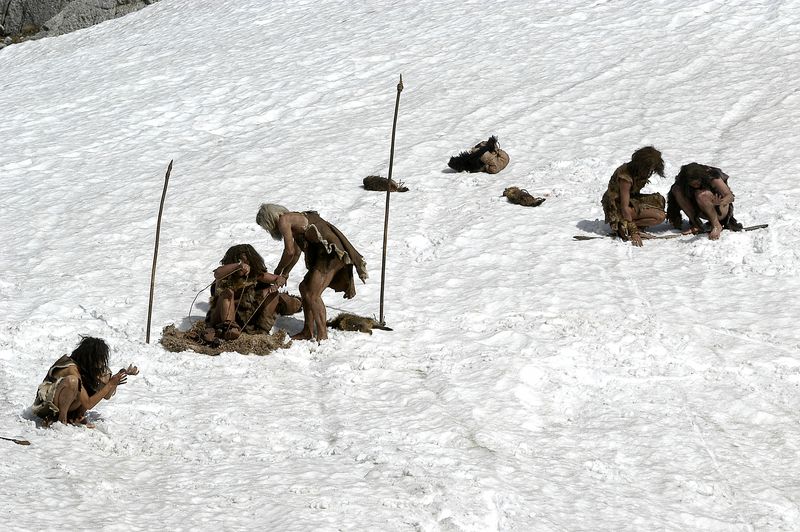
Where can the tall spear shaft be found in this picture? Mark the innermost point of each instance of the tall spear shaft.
(155, 251)
(388, 194)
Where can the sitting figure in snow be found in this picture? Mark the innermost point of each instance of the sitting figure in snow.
(244, 293)
(701, 191)
(626, 209)
(77, 382)
(329, 257)
(485, 156)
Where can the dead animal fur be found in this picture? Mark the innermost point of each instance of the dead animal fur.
(376, 182)
(522, 197)
(352, 322)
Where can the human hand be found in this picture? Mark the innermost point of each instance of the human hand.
(131, 370)
(636, 240)
(119, 378)
(280, 281)
(244, 268)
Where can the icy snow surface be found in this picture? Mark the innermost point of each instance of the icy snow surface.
(531, 383)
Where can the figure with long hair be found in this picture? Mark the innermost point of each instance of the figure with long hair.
(244, 292)
(702, 192)
(77, 382)
(329, 257)
(627, 210)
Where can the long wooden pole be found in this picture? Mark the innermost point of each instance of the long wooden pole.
(155, 251)
(388, 194)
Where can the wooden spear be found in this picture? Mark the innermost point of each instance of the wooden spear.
(388, 194)
(155, 252)
(15, 440)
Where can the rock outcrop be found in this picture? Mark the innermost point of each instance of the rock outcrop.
(33, 19)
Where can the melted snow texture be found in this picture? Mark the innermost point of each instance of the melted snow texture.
(531, 382)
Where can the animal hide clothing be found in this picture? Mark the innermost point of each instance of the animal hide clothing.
(638, 201)
(326, 248)
(43, 405)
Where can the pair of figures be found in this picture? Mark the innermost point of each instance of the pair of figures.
(700, 191)
(244, 290)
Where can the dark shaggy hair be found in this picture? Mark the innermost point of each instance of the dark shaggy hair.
(688, 173)
(470, 160)
(696, 172)
(235, 253)
(91, 357)
(645, 162)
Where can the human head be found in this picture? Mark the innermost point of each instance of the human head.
(694, 176)
(250, 255)
(91, 357)
(267, 218)
(645, 162)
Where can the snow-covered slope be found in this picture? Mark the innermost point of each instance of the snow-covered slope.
(531, 382)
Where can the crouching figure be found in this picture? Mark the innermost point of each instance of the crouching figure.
(626, 209)
(244, 295)
(75, 383)
(702, 192)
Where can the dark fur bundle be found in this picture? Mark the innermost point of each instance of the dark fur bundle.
(352, 322)
(376, 182)
(520, 196)
(470, 160)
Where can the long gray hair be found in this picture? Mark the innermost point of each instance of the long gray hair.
(267, 218)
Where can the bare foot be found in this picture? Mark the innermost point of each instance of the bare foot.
(302, 335)
(715, 232)
(83, 421)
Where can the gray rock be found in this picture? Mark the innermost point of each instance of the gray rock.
(22, 19)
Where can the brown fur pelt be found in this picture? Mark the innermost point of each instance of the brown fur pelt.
(520, 196)
(376, 182)
(470, 160)
(352, 322)
(176, 341)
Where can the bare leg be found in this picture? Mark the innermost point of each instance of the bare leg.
(705, 201)
(648, 217)
(226, 306)
(67, 398)
(314, 313)
(686, 206)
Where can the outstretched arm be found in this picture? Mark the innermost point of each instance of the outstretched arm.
(88, 402)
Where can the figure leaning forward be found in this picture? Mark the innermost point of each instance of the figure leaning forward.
(702, 192)
(330, 259)
(75, 383)
(627, 210)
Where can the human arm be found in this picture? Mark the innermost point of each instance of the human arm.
(227, 269)
(722, 194)
(90, 401)
(271, 278)
(289, 224)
